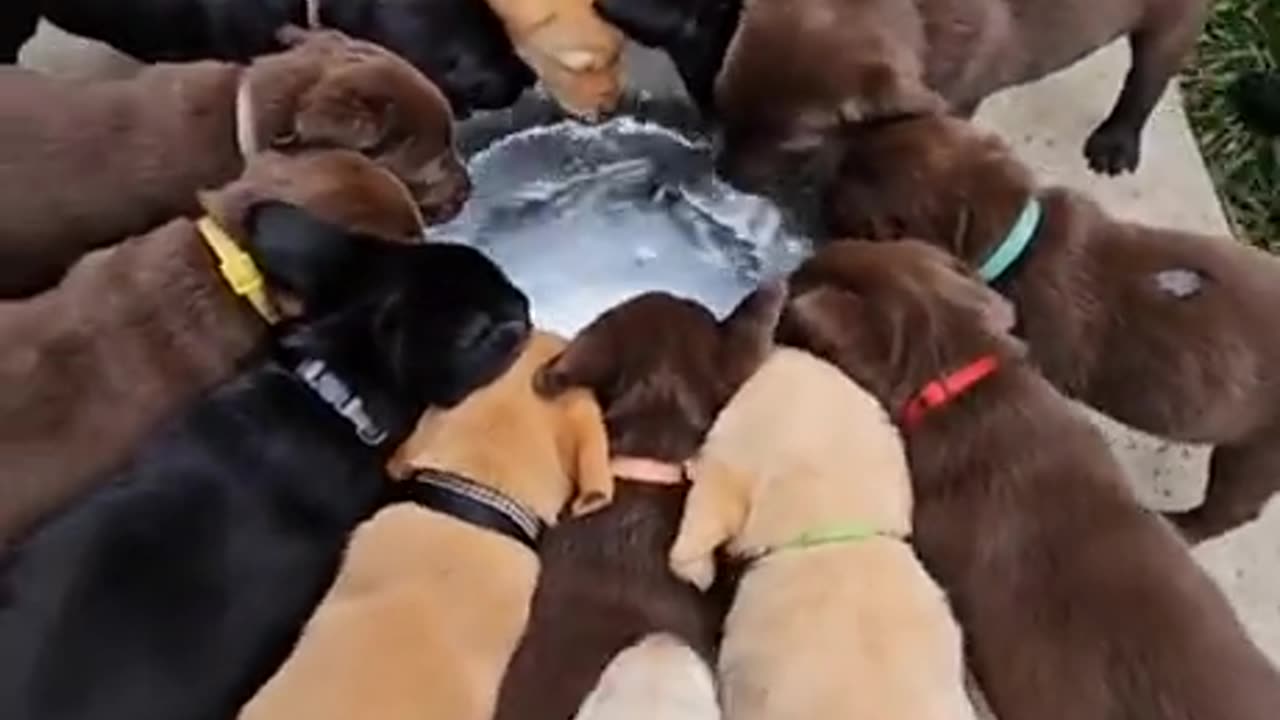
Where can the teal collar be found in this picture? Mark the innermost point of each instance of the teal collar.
(850, 532)
(1015, 243)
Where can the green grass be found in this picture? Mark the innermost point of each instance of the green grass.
(1241, 36)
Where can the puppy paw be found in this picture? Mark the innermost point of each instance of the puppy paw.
(699, 572)
(1113, 150)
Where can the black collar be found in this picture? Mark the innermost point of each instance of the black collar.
(470, 502)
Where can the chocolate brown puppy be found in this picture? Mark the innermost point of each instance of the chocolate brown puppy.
(1167, 331)
(1075, 602)
(797, 71)
(99, 162)
(661, 368)
(138, 331)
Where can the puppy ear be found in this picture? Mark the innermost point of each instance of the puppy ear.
(339, 111)
(584, 364)
(592, 476)
(749, 329)
(300, 253)
(714, 512)
(815, 320)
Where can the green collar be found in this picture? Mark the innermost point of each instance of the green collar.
(1015, 243)
(835, 535)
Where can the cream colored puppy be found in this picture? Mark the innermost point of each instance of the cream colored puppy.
(427, 608)
(575, 53)
(658, 678)
(804, 475)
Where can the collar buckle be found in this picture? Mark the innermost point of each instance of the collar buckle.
(942, 391)
(238, 269)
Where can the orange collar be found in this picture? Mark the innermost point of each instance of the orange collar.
(943, 390)
(647, 470)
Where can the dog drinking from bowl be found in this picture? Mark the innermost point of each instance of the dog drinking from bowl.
(803, 476)
(795, 73)
(138, 331)
(1075, 602)
(100, 161)
(434, 590)
(1167, 331)
(661, 367)
(178, 586)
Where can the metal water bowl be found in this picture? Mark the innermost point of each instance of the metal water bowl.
(583, 217)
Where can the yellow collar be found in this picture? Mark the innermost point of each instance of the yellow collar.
(238, 269)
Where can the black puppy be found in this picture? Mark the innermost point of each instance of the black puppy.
(459, 44)
(693, 33)
(174, 591)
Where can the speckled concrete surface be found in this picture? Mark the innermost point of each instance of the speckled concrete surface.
(1048, 122)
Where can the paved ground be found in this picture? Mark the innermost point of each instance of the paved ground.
(1049, 122)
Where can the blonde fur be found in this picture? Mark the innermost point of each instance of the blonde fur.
(658, 678)
(853, 629)
(575, 53)
(427, 610)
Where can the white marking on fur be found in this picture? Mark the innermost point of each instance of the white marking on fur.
(313, 14)
(658, 677)
(1180, 283)
(246, 133)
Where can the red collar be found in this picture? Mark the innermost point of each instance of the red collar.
(942, 391)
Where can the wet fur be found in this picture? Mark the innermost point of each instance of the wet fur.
(576, 54)
(843, 630)
(1075, 602)
(457, 43)
(796, 72)
(176, 588)
(101, 161)
(427, 609)
(1201, 368)
(661, 368)
(137, 331)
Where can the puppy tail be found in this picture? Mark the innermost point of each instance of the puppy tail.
(658, 677)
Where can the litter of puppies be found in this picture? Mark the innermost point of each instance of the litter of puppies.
(266, 453)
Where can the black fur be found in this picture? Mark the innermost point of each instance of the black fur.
(175, 590)
(459, 44)
(1257, 100)
(694, 33)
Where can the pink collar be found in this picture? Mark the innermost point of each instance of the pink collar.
(647, 470)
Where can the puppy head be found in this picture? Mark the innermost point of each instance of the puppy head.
(662, 367)
(932, 177)
(330, 91)
(436, 319)
(894, 316)
(694, 34)
(461, 44)
(341, 187)
(794, 74)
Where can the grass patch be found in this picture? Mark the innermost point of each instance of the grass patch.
(1241, 36)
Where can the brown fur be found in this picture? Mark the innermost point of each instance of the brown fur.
(99, 162)
(576, 54)
(797, 71)
(1203, 368)
(852, 629)
(661, 367)
(1076, 604)
(136, 331)
(427, 609)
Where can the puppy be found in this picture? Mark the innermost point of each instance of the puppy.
(1076, 603)
(658, 677)
(1166, 331)
(661, 368)
(804, 476)
(796, 72)
(431, 598)
(577, 55)
(137, 331)
(178, 587)
(102, 161)
(693, 33)
(458, 43)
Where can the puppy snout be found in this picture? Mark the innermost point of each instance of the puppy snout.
(443, 192)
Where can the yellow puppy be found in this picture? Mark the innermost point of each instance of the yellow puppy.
(804, 475)
(576, 54)
(428, 608)
(658, 678)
